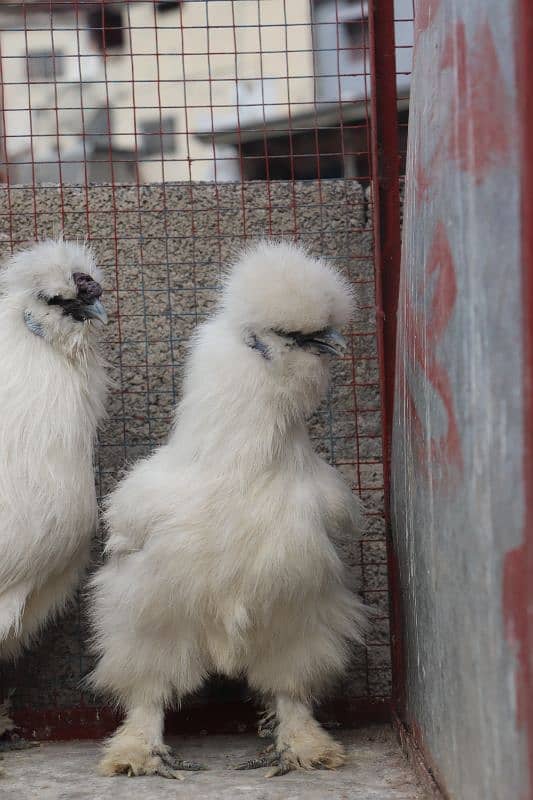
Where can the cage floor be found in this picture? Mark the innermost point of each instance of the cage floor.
(376, 770)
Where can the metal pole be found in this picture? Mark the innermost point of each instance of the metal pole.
(385, 158)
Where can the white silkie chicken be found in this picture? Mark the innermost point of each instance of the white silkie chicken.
(52, 393)
(220, 556)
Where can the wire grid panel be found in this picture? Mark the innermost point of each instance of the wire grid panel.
(163, 250)
(404, 31)
(132, 94)
(184, 90)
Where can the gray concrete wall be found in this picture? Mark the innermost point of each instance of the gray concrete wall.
(163, 250)
(458, 491)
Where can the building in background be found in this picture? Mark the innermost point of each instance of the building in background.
(186, 90)
(329, 137)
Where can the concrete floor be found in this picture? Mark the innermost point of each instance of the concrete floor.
(376, 770)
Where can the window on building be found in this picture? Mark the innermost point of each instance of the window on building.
(158, 136)
(44, 65)
(168, 5)
(357, 33)
(106, 28)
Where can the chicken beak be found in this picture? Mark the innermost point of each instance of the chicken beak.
(329, 341)
(96, 311)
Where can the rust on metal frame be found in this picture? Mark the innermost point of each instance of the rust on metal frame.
(387, 249)
(419, 759)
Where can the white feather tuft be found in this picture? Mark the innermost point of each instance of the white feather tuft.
(52, 394)
(278, 285)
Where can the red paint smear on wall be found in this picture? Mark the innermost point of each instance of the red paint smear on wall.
(425, 13)
(518, 565)
(477, 132)
(422, 182)
(481, 108)
(446, 450)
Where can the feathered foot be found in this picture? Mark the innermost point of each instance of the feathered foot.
(282, 761)
(300, 743)
(129, 754)
(137, 747)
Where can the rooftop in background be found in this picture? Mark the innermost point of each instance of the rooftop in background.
(325, 115)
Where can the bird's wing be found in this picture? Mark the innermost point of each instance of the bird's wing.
(342, 508)
(139, 504)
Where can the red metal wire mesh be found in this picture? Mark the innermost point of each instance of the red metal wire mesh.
(126, 108)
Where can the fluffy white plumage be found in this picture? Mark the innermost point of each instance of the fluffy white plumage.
(52, 393)
(220, 543)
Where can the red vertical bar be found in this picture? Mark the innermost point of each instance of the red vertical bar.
(523, 606)
(387, 247)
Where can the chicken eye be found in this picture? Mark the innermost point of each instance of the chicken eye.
(294, 335)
